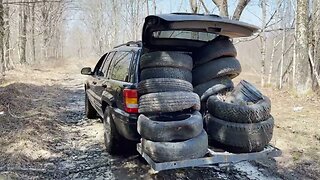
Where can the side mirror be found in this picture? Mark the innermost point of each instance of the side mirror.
(86, 71)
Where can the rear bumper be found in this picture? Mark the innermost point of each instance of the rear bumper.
(126, 124)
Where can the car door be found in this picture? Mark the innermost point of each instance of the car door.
(91, 87)
(99, 83)
(120, 75)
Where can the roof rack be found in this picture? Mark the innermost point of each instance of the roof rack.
(131, 43)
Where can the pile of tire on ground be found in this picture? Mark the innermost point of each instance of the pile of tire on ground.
(170, 123)
(237, 119)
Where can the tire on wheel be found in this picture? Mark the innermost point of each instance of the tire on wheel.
(213, 87)
(237, 137)
(168, 102)
(90, 112)
(239, 113)
(114, 142)
(166, 72)
(178, 130)
(166, 59)
(163, 85)
(227, 66)
(174, 151)
(219, 47)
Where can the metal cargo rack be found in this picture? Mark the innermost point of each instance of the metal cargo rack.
(214, 156)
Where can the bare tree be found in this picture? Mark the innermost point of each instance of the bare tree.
(2, 64)
(23, 34)
(303, 84)
(263, 41)
(222, 6)
(239, 9)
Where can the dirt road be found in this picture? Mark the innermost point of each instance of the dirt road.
(44, 135)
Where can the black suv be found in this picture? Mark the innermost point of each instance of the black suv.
(111, 87)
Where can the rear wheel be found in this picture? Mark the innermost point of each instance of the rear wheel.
(91, 113)
(114, 142)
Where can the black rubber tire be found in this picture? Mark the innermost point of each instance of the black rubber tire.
(166, 72)
(174, 151)
(242, 113)
(115, 143)
(111, 136)
(237, 137)
(219, 47)
(90, 112)
(166, 131)
(168, 102)
(213, 87)
(163, 85)
(166, 59)
(227, 66)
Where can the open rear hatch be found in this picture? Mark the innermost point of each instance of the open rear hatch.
(183, 31)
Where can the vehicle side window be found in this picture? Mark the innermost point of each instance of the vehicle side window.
(106, 64)
(120, 66)
(97, 69)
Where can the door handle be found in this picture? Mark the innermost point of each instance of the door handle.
(105, 86)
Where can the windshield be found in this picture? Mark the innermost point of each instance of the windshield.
(183, 34)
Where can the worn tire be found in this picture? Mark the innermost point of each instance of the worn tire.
(174, 151)
(166, 72)
(219, 47)
(90, 112)
(166, 59)
(165, 131)
(239, 138)
(243, 113)
(168, 102)
(163, 85)
(227, 66)
(213, 87)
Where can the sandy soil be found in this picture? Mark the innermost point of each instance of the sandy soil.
(44, 134)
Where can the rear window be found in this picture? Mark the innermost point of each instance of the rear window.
(121, 63)
(182, 34)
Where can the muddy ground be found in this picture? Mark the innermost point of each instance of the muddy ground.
(45, 135)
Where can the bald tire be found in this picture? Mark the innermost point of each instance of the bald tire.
(166, 59)
(166, 72)
(193, 148)
(238, 137)
(163, 85)
(239, 113)
(219, 47)
(226, 66)
(213, 87)
(174, 130)
(168, 102)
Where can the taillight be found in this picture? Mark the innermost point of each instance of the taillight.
(130, 100)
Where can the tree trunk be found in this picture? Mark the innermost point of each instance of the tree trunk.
(283, 46)
(194, 6)
(23, 34)
(222, 6)
(303, 80)
(272, 59)
(2, 63)
(33, 43)
(263, 42)
(8, 64)
(240, 7)
(154, 6)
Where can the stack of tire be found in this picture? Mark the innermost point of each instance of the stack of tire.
(170, 124)
(232, 121)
